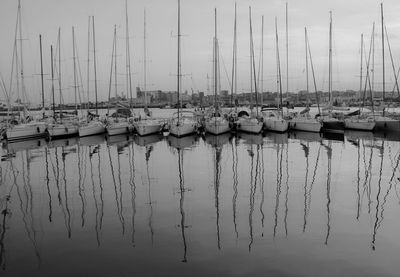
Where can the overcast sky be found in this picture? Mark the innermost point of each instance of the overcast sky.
(350, 19)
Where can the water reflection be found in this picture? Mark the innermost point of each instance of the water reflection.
(234, 146)
(180, 145)
(133, 189)
(268, 194)
(376, 224)
(181, 202)
(117, 197)
(96, 204)
(217, 143)
(147, 157)
(328, 149)
(26, 201)
(5, 213)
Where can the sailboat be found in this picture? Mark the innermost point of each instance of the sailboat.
(59, 128)
(92, 126)
(358, 122)
(331, 124)
(116, 125)
(273, 118)
(251, 123)
(182, 122)
(24, 129)
(383, 122)
(303, 121)
(232, 115)
(147, 125)
(216, 124)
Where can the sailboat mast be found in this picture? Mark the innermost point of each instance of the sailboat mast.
(215, 60)
(373, 61)
(115, 61)
(330, 61)
(144, 60)
(307, 86)
(253, 62)
(15, 57)
(233, 86)
(88, 65)
(262, 61)
(59, 71)
(313, 73)
(287, 55)
(128, 58)
(41, 73)
(372, 93)
(179, 55)
(279, 80)
(383, 57)
(94, 61)
(52, 82)
(361, 70)
(20, 50)
(75, 81)
(113, 55)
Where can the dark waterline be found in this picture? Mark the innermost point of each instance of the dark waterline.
(291, 204)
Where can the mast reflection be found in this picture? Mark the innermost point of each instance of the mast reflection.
(180, 145)
(309, 191)
(26, 208)
(68, 213)
(96, 205)
(217, 176)
(119, 213)
(149, 148)
(133, 189)
(81, 184)
(328, 149)
(234, 144)
(48, 184)
(181, 203)
(279, 158)
(376, 225)
(5, 213)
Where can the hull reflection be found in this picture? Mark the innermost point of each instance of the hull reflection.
(186, 142)
(171, 206)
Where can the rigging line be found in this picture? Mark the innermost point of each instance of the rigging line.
(391, 59)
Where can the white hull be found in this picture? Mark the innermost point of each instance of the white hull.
(147, 127)
(276, 124)
(92, 128)
(26, 131)
(273, 121)
(249, 125)
(184, 128)
(118, 128)
(217, 125)
(308, 125)
(359, 124)
(61, 130)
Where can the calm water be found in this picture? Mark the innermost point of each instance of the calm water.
(279, 204)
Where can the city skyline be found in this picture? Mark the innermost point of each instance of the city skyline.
(350, 19)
